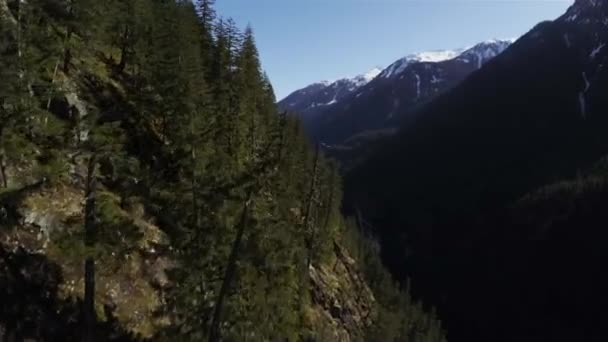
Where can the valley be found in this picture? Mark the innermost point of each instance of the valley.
(154, 188)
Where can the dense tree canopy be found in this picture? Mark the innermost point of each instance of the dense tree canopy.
(165, 106)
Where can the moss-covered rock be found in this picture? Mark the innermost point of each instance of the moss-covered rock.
(343, 306)
(130, 270)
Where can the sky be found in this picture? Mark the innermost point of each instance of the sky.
(306, 41)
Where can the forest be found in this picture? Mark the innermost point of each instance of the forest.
(152, 191)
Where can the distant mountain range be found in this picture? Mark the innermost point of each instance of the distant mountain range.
(342, 112)
(313, 98)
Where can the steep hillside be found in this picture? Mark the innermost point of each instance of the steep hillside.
(533, 116)
(149, 190)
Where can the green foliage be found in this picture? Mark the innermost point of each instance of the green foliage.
(175, 112)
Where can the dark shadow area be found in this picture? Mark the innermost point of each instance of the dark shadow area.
(30, 306)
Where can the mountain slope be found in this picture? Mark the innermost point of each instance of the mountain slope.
(397, 92)
(532, 116)
(308, 102)
(150, 190)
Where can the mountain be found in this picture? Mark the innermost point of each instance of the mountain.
(311, 100)
(487, 198)
(383, 103)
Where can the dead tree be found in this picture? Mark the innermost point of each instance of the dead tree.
(214, 334)
(90, 221)
(308, 224)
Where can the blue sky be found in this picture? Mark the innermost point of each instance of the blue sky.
(304, 41)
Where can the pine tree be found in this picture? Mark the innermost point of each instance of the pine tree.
(207, 17)
(122, 29)
(175, 113)
(250, 90)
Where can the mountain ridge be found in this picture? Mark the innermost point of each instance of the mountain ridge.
(382, 103)
(449, 194)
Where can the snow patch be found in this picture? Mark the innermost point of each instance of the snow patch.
(479, 60)
(363, 79)
(436, 80)
(423, 57)
(567, 41)
(417, 85)
(482, 52)
(485, 51)
(583, 104)
(572, 17)
(596, 50)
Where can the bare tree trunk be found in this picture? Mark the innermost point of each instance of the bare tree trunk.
(3, 171)
(330, 200)
(89, 268)
(195, 206)
(48, 102)
(282, 128)
(214, 334)
(89, 300)
(124, 50)
(253, 135)
(67, 54)
(19, 43)
(307, 217)
(67, 51)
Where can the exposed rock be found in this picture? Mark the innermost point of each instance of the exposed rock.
(343, 304)
(128, 275)
(5, 13)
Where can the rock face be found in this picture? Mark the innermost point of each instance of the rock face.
(343, 304)
(5, 13)
(41, 270)
(42, 255)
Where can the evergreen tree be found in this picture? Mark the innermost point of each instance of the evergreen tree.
(207, 17)
(161, 104)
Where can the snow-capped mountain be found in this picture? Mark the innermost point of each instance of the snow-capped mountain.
(483, 52)
(315, 97)
(479, 54)
(381, 100)
(432, 56)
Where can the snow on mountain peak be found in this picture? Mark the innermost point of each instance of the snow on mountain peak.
(429, 56)
(482, 52)
(434, 56)
(367, 77)
(332, 91)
